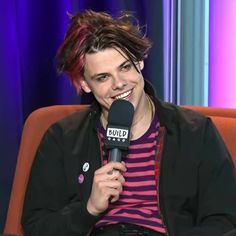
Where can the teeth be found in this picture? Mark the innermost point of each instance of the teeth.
(123, 95)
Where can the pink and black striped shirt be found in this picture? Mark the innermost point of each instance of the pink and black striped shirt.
(138, 203)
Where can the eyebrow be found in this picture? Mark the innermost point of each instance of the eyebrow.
(122, 64)
(102, 74)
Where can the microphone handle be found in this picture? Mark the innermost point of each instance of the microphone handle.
(115, 155)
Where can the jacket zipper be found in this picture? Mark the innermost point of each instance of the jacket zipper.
(159, 154)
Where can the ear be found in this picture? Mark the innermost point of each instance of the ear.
(81, 83)
(141, 65)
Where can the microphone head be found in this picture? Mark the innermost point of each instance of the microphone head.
(120, 119)
(121, 113)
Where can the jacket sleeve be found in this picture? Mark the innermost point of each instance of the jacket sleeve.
(217, 187)
(48, 209)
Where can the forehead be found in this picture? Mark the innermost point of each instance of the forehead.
(104, 61)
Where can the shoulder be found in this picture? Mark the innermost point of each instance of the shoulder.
(173, 115)
(74, 120)
(70, 124)
(190, 117)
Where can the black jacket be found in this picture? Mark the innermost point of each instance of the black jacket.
(197, 178)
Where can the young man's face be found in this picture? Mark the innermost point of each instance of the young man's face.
(109, 75)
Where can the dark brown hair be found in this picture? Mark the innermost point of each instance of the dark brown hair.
(90, 32)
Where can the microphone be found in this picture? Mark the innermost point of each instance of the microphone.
(117, 139)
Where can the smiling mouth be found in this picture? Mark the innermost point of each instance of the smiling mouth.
(123, 95)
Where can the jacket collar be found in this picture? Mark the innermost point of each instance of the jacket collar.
(165, 111)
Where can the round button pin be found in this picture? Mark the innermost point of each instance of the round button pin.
(86, 167)
(81, 178)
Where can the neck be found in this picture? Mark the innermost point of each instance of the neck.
(142, 123)
(103, 120)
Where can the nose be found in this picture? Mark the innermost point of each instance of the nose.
(118, 82)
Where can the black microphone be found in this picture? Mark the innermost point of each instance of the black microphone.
(117, 139)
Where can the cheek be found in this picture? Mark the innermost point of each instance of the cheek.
(140, 78)
(100, 91)
(139, 81)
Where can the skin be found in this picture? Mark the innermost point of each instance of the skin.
(106, 187)
(109, 75)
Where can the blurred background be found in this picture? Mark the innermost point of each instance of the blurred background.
(192, 61)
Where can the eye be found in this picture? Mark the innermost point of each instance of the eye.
(126, 67)
(102, 78)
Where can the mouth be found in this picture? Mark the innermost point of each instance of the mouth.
(123, 95)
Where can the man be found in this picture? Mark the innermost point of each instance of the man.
(177, 177)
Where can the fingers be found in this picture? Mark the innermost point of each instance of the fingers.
(112, 190)
(114, 195)
(111, 171)
(113, 184)
(114, 174)
(103, 192)
(111, 166)
(107, 186)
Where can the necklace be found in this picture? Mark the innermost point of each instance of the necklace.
(144, 122)
(150, 108)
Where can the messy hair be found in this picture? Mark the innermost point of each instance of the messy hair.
(90, 32)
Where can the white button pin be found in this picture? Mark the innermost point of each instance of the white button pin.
(86, 167)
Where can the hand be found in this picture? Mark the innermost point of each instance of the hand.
(107, 185)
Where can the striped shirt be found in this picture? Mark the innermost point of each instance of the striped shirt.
(138, 203)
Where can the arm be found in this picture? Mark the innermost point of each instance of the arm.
(48, 210)
(217, 188)
(51, 206)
